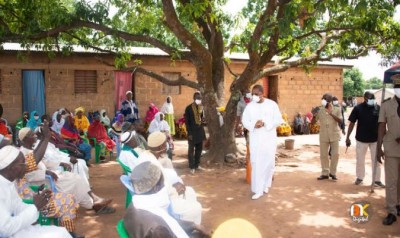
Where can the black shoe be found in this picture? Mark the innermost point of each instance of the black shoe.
(379, 184)
(322, 177)
(333, 177)
(389, 219)
(398, 210)
(358, 181)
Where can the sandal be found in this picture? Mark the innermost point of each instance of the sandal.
(105, 210)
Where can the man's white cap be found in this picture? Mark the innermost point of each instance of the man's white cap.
(128, 92)
(127, 136)
(7, 155)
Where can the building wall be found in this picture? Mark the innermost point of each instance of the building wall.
(297, 91)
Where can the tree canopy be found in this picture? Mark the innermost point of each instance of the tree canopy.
(353, 83)
(290, 33)
(374, 83)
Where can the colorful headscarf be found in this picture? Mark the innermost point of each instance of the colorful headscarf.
(33, 123)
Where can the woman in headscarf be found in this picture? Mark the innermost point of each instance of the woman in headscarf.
(168, 110)
(34, 121)
(105, 119)
(159, 124)
(151, 112)
(96, 130)
(116, 131)
(58, 121)
(81, 121)
(70, 133)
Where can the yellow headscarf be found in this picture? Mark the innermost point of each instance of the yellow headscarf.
(79, 109)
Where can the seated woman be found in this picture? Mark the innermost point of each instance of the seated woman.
(150, 114)
(98, 131)
(71, 134)
(81, 121)
(105, 119)
(116, 131)
(34, 120)
(21, 122)
(298, 124)
(58, 120)
(159, 124)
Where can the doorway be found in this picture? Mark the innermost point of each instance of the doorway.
(33, 91)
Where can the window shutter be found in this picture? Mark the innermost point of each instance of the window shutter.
(85, 81)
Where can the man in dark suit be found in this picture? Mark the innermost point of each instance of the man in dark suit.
(194, 119)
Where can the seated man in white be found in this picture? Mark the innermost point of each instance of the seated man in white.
(16, 217)
(151, 195)
(65, 181)
(183, 199)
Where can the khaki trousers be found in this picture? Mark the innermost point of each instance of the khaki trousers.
(361, 151)
(392, 180)
(329, 167)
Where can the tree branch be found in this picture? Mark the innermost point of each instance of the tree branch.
(230, 70)
(172, 22)
(181, 80)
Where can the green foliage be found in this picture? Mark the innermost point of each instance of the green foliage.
(373, 83)
(353, 83)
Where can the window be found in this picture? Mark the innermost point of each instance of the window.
(85, 81)
(171, 90)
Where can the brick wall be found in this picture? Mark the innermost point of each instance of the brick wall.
(297, 91)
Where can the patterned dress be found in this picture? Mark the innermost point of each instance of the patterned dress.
(61, 205)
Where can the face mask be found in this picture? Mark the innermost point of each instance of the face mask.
(335, 103)
(397, 92)
(248, 95)
(197, 101)
(324, 102)
(36, 117)
(256, 98)
(371, 102)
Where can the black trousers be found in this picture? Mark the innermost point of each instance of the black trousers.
(194, 154)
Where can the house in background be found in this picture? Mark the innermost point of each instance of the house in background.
(86, 78)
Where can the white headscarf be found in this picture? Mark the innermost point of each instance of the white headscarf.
(56, 127)
(7, 155)
(168, 108)
(157, 125)
(105, 120)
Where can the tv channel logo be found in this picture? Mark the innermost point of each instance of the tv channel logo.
(360, 212)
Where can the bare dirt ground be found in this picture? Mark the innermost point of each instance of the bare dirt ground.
(297, 205)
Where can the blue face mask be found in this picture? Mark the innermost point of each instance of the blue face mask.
(371, 102)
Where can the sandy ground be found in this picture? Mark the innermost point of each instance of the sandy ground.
(297, 205)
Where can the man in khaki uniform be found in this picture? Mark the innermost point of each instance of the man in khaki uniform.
(390, 116)
(330, 118)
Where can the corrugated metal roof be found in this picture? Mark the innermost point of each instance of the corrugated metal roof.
(157, 52)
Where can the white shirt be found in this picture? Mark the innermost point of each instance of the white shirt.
(15, 215)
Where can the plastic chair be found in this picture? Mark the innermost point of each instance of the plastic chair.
(121, 230)
(126, 181)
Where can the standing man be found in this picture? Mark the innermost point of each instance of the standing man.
(244, 100)
(329, 136)
(260, 118)
(194, 119)
(389, 116)
(129, 108)
(366, 115)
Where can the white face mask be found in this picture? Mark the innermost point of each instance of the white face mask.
(197, 101)
(324, 102)
(256, 98)
(248, 95)
(371, 102)
(335, 103)
(36, 117)
(397, 92)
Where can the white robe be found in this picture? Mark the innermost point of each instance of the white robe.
(53, 157)
(262, 142)
(157, 125)
(67, 182)
(17, 217)
(185, 206)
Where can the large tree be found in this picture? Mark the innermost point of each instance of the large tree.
(296, 32)
(353, 83)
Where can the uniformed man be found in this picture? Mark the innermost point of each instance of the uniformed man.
(330, 118)
(389, 117)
